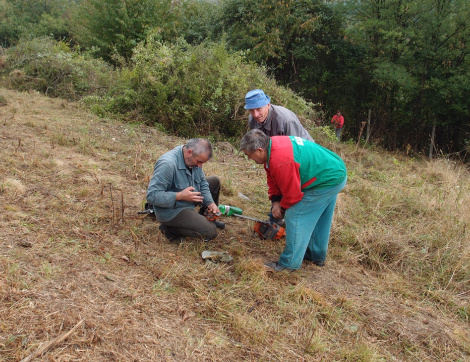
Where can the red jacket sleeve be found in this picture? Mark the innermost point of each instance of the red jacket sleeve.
(284, 179)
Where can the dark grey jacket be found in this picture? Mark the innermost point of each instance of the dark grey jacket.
(280, 122)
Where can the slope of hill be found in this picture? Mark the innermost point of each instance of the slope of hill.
(83, 277)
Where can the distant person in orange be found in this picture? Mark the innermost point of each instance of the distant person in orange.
(338, 121)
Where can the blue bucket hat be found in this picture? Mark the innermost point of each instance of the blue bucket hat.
(256, 99)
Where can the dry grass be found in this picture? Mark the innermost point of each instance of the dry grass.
(72, 249)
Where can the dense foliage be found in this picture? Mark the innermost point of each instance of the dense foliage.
(33, 18)
(417, 64)
(114, 27)
(53, 68)
(299, 41)
(404, 63)
(185, 89)
(192, 89)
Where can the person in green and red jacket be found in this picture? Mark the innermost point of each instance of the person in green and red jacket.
(304, 180)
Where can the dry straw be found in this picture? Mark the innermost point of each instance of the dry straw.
(73, 249)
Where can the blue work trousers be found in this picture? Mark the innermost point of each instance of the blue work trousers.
(308, 225)
(338, 133)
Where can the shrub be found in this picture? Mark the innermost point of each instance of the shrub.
(187, 90)
(194, 90)
(53, 68)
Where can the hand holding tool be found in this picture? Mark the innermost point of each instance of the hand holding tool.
(214, 217)
(265, 229)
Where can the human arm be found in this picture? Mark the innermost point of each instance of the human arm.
(284, 122)
(161, 191)
(340, 121)
(189, 194)
(213, 208)
(284, 184)
(277, 210)
(251, 122)
(170, 188)
(202, 184)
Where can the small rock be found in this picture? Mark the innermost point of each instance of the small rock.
(222, 256)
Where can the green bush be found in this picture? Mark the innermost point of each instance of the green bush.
(194, 90)
(29, 19)
(324, 135)
(53, 68)
(187, 90)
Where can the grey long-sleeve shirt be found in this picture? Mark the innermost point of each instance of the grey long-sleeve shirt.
(280, 122)
(170, 175)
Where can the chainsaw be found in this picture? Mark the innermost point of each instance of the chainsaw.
(265, 229)
(214, 217)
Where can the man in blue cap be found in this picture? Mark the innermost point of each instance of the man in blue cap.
(270, 119)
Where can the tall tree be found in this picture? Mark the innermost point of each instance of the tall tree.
(298, 41)
(33, 18)
(114, 27)
(441, 64)
(416, 55)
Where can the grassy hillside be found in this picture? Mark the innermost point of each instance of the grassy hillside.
(83, 277)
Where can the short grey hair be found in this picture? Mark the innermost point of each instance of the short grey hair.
(200, 146)
(253, 140)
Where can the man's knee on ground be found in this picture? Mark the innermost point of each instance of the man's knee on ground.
(209, 232)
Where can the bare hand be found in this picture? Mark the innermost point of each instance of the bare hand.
(277, 211)
(189, 194)
(213, 208)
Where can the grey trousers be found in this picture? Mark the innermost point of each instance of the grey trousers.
(193, 224)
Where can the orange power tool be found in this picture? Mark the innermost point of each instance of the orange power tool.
(214, 217)
(265, 229)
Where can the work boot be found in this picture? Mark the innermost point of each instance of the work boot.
(316, 262)
(219, 224)
(276, 267)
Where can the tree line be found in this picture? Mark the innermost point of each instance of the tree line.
(401, 65)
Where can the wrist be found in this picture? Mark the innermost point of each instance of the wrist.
(276, 199)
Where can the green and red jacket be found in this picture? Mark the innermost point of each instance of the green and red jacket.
(295, 164)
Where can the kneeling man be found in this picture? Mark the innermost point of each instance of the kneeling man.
(178, 185)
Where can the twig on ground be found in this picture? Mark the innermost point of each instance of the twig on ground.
(52, 343)
(112, 202)
(122, 206)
